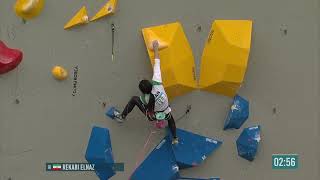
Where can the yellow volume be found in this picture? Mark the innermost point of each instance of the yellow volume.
(225, 56)
(177, 61)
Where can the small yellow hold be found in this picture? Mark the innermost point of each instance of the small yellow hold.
(28, 9)
(59, 73)
(108, 9)
(80, 18)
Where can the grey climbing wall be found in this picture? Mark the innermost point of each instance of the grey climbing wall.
(49, 124)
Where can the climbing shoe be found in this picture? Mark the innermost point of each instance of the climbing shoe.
(175, 141)
(118, 117)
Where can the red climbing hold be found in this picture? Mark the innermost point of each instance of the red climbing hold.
(9, 58)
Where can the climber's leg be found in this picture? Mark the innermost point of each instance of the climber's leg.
(134, 101)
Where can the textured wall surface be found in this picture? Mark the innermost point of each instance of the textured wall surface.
(50, 124)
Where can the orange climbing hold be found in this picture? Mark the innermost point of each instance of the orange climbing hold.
(59, 73)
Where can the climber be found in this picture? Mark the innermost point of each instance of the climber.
(154, 101)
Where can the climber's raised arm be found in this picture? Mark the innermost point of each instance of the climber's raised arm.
(156, 67)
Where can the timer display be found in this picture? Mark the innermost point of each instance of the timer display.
(285, 161)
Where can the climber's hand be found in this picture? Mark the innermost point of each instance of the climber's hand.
(155, 45)
(151, 115)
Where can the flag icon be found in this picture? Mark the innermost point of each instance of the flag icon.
(56, 167)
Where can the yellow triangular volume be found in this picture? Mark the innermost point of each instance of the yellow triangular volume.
(80, 18)
(150, 36)
(177, 61)
(107, 9)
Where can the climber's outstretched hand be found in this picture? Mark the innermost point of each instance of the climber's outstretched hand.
(155, 45)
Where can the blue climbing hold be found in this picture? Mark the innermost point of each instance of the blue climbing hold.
(248, 142)
(111, 112)
(238, 114)
(159, 165)
(99, 152)
(192, 149)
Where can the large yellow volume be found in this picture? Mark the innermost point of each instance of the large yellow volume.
(28, 9)
(108, 9)
(177, 61)
(225, 56)
(80, 18)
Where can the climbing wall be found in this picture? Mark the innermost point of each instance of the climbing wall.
(43, 120)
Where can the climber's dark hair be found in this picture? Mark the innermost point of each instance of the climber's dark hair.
(145, 87)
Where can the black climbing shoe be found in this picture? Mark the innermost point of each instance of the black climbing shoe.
(118, 117)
